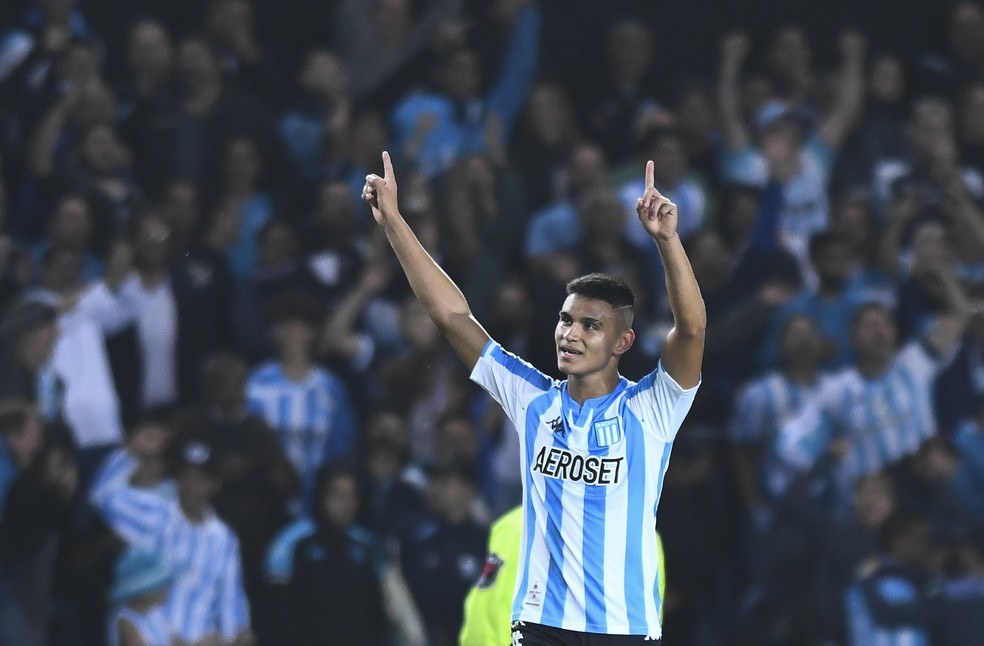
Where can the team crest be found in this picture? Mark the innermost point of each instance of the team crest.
(607, 432)
(489, 571)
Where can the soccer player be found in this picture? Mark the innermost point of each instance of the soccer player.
(594, 447)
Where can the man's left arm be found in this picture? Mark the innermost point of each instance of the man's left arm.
(684, 349)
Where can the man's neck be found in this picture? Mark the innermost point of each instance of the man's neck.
(800, 375)
(581, 388)
(194, 511)
(296, 368)
(873, 368)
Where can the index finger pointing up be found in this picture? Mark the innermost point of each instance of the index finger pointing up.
(388, 173)
(650, 175)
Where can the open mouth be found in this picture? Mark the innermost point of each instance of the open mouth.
(569, 352)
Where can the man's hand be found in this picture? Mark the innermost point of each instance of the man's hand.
(380, 193)
(658, 214)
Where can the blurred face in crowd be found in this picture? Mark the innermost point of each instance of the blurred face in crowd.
(242, 167)
(740, 213)
(62, 269)
(368, 138)
(874, 335)
(25, 441)
(965, 33)
(60, 472)
(873, 501)
(224, 380)
(56, 11)
(696, 116)
(392, 20)
(931, 249)
(931, 122)
(886, 80)
(586, 170)
(971, 117)
(34, 348)
(152, 243)
(782, 141)
(340, 501)
(197, 67)
(151, 54)
(629, 51)
(450, 495)
(181, 208)
(229, 20)
(711, 260)
(852, 221)
(335, 207)
(461, 77)
(549, 115)
(294, 338)
(323, 75)
(278, 245)
(602, 216)
(669, 161)
(71, 223)
(96, 105)
(147, 444)
(457, 441)
(834, 262)
(197, 487)
(801, 344)
(790, 52)
(418, 330)
(387, 426)
(512, 309)
(80, 63)
(103, 151)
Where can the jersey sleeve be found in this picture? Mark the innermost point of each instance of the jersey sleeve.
(138, 517)
(661, 402)
(232, 608)
(510, 381)
(916, 360)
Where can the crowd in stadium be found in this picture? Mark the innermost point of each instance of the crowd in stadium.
(224, 417)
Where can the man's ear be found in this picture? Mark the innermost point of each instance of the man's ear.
(625, 341)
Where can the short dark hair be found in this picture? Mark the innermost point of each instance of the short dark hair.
(603, 287)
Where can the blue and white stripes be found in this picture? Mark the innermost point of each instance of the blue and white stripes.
(589, 558)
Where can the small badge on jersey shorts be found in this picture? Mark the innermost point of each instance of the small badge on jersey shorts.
(607, 432)
(490, 571)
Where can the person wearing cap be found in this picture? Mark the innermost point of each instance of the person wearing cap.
(192, 540)
(141, 589)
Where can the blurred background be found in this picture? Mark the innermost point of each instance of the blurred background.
(224, 418)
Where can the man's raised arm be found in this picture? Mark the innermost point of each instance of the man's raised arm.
(684, 349)
(442, 299)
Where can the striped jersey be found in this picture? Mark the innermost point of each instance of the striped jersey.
(207, 595)
(115, 472)
(762, 409)
(864, 630)
(152, 626)
(886, 418)
(592, 477)
(314, 419)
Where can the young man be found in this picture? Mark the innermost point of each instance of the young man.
(594, 447)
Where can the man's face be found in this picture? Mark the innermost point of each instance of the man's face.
(874, 335)
(801, 342)
(24, 443)
(196, 486)
(590, 336)
(340, 502)
(36, 347)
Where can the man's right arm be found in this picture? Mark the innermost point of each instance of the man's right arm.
(442, 299)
